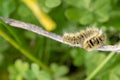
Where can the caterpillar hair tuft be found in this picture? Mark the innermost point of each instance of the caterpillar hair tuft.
(89, 39)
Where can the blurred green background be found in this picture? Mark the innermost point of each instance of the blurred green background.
(39, 58)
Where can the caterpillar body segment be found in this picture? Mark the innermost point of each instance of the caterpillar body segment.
(94, 42)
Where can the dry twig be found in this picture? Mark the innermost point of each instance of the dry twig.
(38, 30)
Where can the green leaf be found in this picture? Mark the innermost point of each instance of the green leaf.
(115, 72)
(77, 56)
(103, 13)
(89, 11)
(113, 76)
(29, 75)
(79, 15)
(74, 53)
(86, 18)
(79, 3)
(21, 67)
(102, 17)
(93, 60)
(40, 74)
(7, 7)
(12, 72)
(59, 71)
(43, 75)
(109, 72)
(34, 67)
(20, 70)
(114, 22)
(102, 9)
(52, 4)
(62, 78)
(73, 14)
(101, 4)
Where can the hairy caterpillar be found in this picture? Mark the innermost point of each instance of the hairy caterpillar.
(94, 42)
(89, 39)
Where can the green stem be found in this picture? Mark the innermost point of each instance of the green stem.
(100, 66)
(23, 51)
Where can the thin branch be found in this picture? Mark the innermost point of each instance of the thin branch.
(38, 30)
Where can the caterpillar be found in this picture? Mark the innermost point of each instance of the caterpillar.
(70, 38)
(95, 42)
(89, 39)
